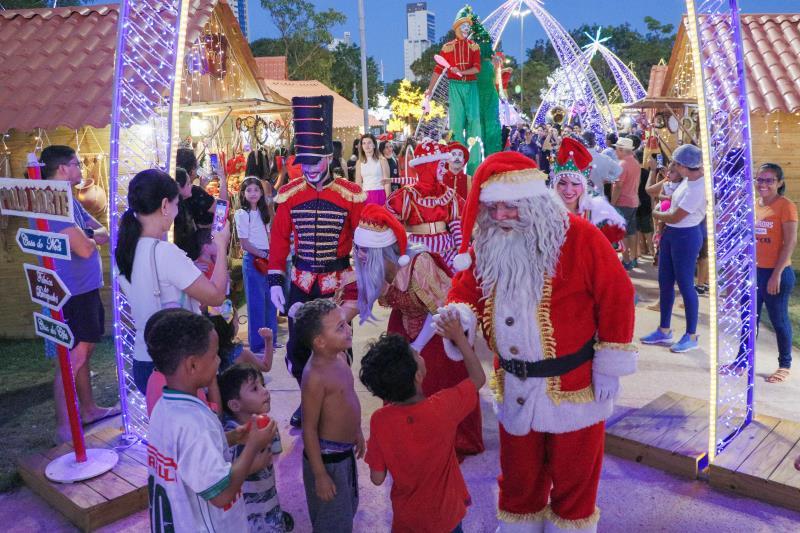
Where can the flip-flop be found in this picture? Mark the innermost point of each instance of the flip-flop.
(109, 412)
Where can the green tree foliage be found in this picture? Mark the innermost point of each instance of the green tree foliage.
(346, 73)
(303, 34)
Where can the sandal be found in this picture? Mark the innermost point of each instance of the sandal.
(779, 376)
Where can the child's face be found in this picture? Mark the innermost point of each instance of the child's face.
(253, 193)
(204, 367)
(336, 335)
(254, 399)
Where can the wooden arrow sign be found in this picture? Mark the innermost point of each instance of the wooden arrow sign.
(54, 330)
(46, 287)
(43, 243)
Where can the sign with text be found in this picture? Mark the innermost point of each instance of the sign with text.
(53, 330)
(48, 199)
(44, 243)
(46, 287)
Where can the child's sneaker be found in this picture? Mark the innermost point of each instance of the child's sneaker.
(685, 344)
(657, 337)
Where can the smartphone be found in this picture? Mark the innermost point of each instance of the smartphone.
(220, 215)
(214, 159)
(660, 160)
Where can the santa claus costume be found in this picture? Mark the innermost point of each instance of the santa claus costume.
(318, 214)
(556, 308)
(459, 181)
(429, 210)
(418, 282)
(571, 171)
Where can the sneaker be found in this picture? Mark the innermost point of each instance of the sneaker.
(701, 289)
(657, 337)
(627, 265)
(684, 345)
(296, 421)
(635, 263)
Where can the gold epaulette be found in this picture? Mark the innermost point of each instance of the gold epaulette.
(448, 47)
(350, 191)
(474, 46)
(290, 189)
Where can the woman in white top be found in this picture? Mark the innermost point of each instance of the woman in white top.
(252, 226)
(372, 171)
(156, 274)
(680, 247)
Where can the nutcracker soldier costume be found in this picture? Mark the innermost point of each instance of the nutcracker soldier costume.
(318, 214)
(429, 210)
(455, 177)
(556, 308)
(464, 57)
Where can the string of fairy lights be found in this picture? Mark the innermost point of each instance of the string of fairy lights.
(725, 120)
(140, 138)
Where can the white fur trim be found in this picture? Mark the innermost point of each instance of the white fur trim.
(462, 262)
(507, 192)
(615, 362)
(403, 260)
(367, 238)
(421, 160)
(468, 321)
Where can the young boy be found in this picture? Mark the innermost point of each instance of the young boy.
(243, 396)
(413, 437)
(192, 483)
(331, 415)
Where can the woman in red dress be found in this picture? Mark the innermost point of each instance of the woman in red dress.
(414, 288)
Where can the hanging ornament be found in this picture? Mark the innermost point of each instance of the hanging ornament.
(216, 54)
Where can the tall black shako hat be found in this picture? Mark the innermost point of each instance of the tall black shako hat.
(313, 128)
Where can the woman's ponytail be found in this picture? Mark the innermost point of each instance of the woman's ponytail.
(130, 229)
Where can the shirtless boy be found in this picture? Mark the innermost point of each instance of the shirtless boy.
(331, 416)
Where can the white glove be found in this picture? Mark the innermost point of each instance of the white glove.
(276, 295)
(605, 387)
(426, 105)
(425, 335)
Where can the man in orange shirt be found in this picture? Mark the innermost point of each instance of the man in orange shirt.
(625, 195)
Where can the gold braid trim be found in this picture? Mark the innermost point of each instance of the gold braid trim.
(516, 518)
(497, 383)
(289, 190)
(563, 523)
(573, 396)
(488, 320)
(347, 194)
(626, 347)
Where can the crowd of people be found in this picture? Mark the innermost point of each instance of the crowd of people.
(532, 250)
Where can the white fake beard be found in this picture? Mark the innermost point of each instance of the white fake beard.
(514, 263)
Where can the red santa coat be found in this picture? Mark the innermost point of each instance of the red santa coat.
(590, 297)
(462, 54)
(321, 224)
(459, 182)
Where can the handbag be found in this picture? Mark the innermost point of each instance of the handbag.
(261, 265)
(181, 304)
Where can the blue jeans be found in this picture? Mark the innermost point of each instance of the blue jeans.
(141, 373)
(677, 258)
(260, 309)
(778, 310)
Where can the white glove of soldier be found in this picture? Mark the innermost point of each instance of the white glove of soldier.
(276, 295)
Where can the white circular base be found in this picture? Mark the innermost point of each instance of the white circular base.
(66, 470)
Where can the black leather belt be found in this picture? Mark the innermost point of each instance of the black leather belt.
(336, 265)
(547, 368)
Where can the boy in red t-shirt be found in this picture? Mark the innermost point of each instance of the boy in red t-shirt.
(413, 437)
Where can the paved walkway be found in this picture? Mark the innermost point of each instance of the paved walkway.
(632, 497)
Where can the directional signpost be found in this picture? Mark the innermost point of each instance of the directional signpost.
(43, 243)
(53, 330)
(46, 287)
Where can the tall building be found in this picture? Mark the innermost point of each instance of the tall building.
(345, 40)
(421, 32)
(239, 8)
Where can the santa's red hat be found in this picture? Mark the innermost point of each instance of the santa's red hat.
(455, 145)
(502, 177)
(428, 151)
(378, 228)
